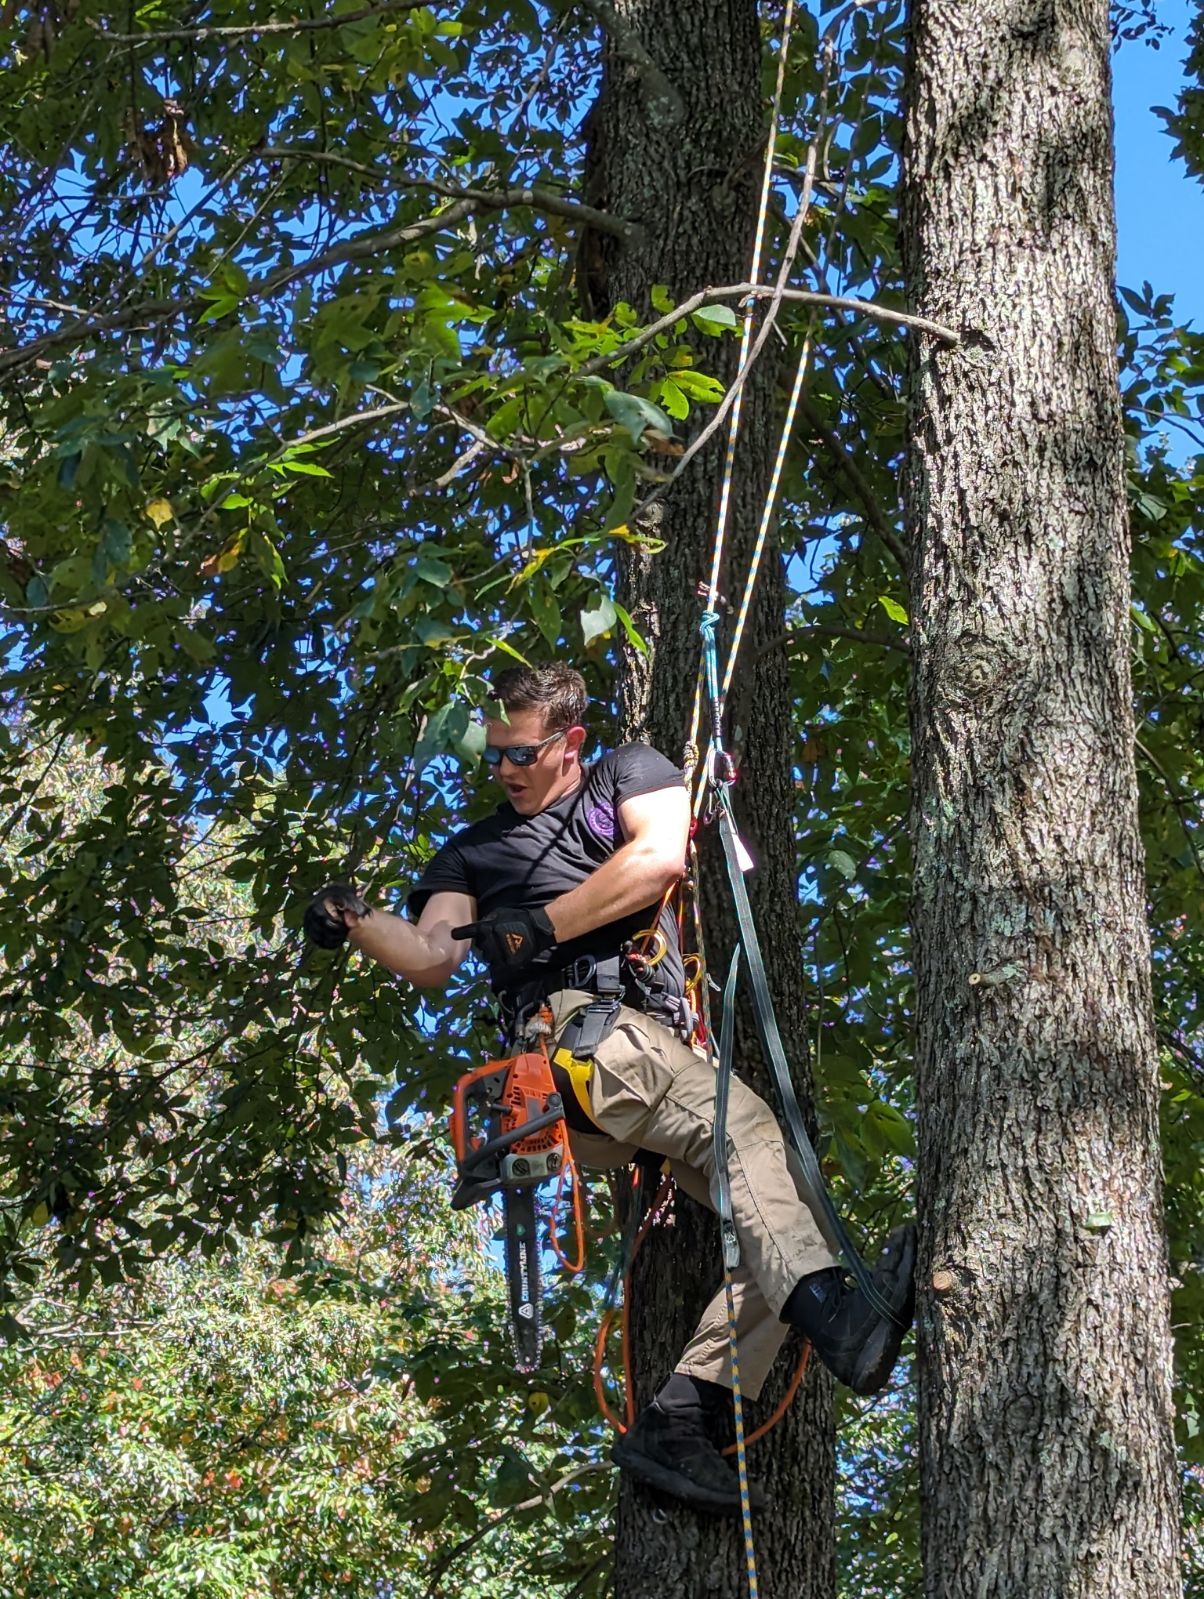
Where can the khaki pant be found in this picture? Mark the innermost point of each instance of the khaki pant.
(650, 1091)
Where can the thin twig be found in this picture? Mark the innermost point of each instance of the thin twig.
(1180, 804)
(448, 1560)
(871, 510)
(796, 637)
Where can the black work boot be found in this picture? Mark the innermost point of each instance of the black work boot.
(857, 1343)
(669, 1448)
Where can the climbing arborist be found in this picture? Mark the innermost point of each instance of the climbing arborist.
(550, 890)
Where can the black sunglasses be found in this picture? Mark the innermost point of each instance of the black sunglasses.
(518, 754)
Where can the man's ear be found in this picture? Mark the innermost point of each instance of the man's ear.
(574, 738)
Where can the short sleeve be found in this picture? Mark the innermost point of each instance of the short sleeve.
(639, 769)
(446, 873)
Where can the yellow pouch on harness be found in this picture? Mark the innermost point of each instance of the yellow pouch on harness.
(578, 1073)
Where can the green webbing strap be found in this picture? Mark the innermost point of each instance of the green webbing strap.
(723, 1182)
(775, 1053)
(731, 1251)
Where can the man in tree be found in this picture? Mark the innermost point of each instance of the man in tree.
(551, 890)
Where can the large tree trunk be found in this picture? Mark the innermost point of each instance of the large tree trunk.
(692, 179)
(1048, 1467)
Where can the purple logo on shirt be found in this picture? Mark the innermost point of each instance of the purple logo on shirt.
(600, 819)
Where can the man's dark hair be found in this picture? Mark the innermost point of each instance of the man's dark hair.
(558, 691)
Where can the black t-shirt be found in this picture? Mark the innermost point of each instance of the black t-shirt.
(511, 860)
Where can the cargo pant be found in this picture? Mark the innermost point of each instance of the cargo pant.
(649, 1091)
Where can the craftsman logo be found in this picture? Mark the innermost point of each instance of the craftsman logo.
(600, 819)
(514, 942)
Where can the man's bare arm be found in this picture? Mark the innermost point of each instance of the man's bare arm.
(656, 827)
(422, 951)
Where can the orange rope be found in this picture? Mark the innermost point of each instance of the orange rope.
(784, 1403)
(608, 1320)
(653, 1214)
(569, 1168)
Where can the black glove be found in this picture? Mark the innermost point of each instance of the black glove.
(323, 929)
(509, 939)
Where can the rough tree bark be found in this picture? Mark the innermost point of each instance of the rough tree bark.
(679, 149)
(1048, 1464)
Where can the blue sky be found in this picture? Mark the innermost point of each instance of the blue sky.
(1160, 210)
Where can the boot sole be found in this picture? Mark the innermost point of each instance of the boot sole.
(877, 1359)
(653, 1475)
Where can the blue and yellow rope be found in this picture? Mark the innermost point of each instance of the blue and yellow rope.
(750, 1553)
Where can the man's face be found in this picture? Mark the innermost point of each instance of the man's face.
(554, 771)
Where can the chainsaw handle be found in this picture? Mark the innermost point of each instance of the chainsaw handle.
(459, 1122)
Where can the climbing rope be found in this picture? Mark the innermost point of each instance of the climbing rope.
(746, 332)
(767, 515)
(730, 1244)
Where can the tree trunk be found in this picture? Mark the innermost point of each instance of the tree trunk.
(1048, 1465)
(690, 173)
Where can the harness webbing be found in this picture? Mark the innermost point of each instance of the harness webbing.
(775, 1053)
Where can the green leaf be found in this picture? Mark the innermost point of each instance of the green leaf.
(636, 414)
(893, 609)
(716, 319)
(432, 570)
(674, 400)
(633, 634)
(545, 611)
(471, 742)
(843, 863)
(698, 385)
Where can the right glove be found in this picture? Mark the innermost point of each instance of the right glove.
(323, 929)
(509, 940)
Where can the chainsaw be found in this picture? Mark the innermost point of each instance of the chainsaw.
(509, 1135)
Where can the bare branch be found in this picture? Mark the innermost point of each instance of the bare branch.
(255, 29)
(446, 1561)
(488, 199)
(737, 291)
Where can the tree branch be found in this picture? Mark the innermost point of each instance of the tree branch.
(851, 472)
(253, 30)
(363, 244)
(736, 291)
(488, 199)
(796, 637)
(446, 1561)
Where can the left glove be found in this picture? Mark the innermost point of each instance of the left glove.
(509, 939)
(323, 929)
